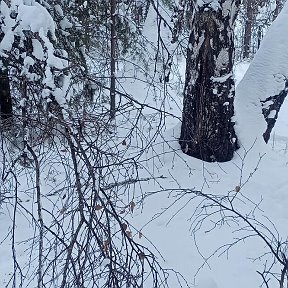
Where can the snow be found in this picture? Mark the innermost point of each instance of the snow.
(65, 24)
(261, 175)
(221, 79)
(173, 237)
(222, 59)
(37, 50)
(265, 77)
(240, 70)
(272, 114)
(41, 19)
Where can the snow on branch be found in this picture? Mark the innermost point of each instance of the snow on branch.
(28, 43)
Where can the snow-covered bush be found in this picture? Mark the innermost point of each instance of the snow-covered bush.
(29, 48)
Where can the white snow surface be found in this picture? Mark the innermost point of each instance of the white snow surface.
(265, 77)
(41, 18)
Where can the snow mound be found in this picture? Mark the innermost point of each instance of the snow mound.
(265, 77)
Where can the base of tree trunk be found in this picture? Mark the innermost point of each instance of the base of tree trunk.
(207, 130)
(209, 150)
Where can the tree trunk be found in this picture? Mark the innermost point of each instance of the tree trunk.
(113, 60)
(248, 28)
(207, 130)
(5, 95)
(278, 8)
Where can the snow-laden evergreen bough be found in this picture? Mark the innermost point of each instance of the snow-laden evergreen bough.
(29, 49)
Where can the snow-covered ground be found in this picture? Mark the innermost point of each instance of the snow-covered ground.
(260, 171)
(262, 176)
(191, 237)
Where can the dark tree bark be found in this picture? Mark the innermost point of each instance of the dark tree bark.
(259, 37)
(250, 14)
(207, 130)
(279, 6)
(271, 111)
(113, 60)
(5, 95)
